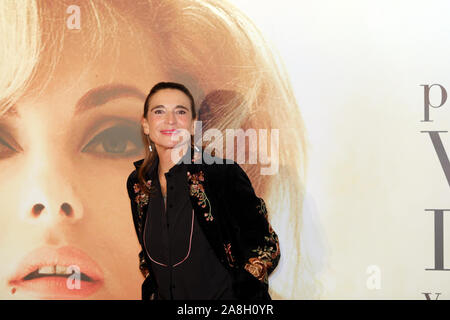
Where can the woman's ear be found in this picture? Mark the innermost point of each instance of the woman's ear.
(145, 126)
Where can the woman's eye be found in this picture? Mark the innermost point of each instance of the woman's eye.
(118, 141)
(6, 150)
(158, 112)
(181, 111)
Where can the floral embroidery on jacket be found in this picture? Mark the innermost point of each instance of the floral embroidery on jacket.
(263, 210)
(198, 191)
(267, 256)
(141, 199)
(230, 257)
(143, 265)
(257, 268)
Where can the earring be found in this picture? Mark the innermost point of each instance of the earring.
(149, 144)
(193, 143)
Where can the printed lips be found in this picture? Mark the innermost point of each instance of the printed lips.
(66, 272)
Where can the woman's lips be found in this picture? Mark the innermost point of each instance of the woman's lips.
(169, 132)
(46, 272)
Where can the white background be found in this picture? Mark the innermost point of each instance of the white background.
(356, 68)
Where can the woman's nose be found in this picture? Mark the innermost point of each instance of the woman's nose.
(170, 117)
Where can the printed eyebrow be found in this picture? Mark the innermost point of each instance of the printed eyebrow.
(93, 98)
(162, 106)
(101, 95)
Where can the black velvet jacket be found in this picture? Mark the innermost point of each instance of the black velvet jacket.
(233, 218)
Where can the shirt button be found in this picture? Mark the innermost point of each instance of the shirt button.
(173, 286)
(170, 206)
(171, 187)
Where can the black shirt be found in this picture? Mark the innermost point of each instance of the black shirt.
(182, 260)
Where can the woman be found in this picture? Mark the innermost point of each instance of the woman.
(210, 237)
(61, 158)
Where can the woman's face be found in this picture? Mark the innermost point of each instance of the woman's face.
(169, 119)
(64, 159)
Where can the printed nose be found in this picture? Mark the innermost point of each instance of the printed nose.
(65, 212)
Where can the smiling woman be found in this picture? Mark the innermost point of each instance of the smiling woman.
(70, 105)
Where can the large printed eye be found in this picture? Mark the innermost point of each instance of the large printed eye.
(6, 150)
(117, 141)
(8, 144)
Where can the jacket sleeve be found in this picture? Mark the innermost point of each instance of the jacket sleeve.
(133, 195)
(259, 243)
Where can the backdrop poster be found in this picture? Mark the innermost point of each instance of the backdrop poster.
(342, 106)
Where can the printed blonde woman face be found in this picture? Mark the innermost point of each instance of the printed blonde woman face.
(64, 154)
(68, 143)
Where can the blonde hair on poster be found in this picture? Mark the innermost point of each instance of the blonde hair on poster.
(208, 46)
